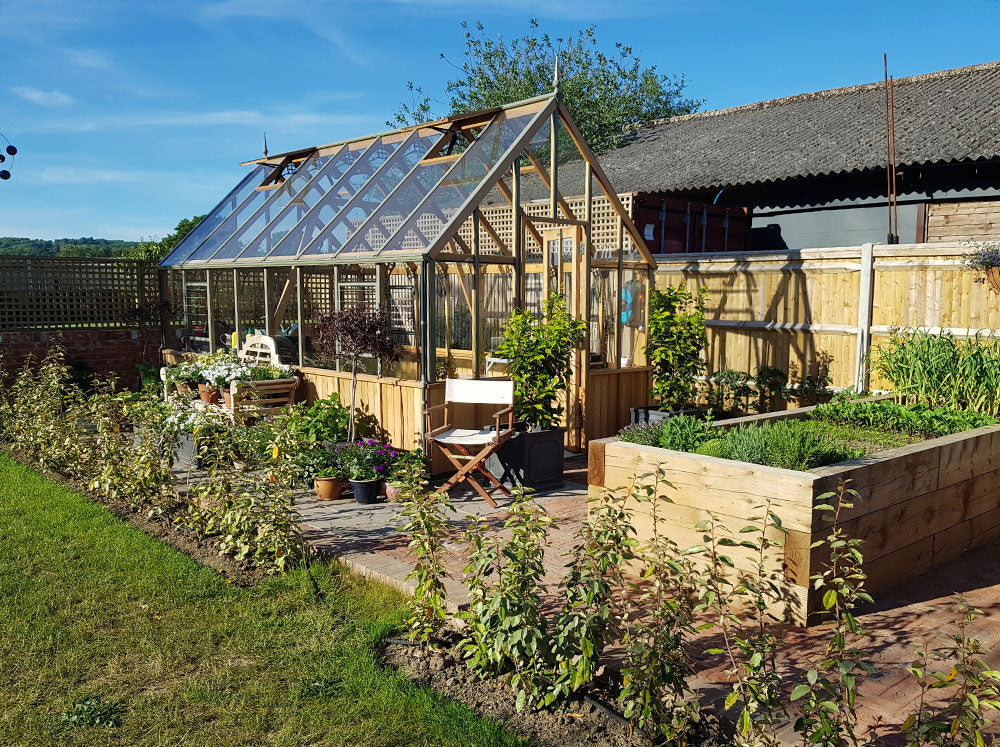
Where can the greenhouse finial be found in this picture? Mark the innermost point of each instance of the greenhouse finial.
(265, 145)
(555, 75)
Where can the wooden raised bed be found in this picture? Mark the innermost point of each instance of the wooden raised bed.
(919, 505)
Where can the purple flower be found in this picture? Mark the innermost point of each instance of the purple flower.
(379, 468)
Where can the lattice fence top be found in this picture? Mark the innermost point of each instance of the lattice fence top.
(57, 293)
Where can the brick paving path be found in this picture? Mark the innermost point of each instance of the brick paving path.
(366, 538)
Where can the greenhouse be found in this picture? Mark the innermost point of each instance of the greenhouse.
(450, 225)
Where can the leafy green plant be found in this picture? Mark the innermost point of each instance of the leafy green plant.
(367, 459)
(938, 370)
(891, 416)
(968, 688)
(729, 390)
(93, 712)
(685, 432)
(729, 599)
(748, 443)
(644, 434)
(828, 696)
(657, 667)
(593, 592)
(770, 384)
(676, 341)
(323, 420)
(428, 527)
(796, 444)
(538, 353)
(507, 633)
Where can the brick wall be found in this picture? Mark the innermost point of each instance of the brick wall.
(102, 351)
(963, 221)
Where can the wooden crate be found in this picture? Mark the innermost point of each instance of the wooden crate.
(919, 505)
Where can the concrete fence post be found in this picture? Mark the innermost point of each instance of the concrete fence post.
(865, 305)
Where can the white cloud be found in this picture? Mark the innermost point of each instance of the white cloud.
(90, 59)
(226, 118)
(42, 98)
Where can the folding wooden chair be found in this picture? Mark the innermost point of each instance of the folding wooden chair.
(468, 445)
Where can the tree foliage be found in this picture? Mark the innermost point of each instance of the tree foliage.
(604, 92)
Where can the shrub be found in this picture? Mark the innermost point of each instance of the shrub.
(715, 447)
(354, 333)
(366, 459)
(795, 444)
(675, 343)
(729, 390)
(748, 443)
(538, 354)
(644, 434)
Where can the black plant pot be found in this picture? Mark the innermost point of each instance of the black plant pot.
(367, 492)
(533, 459)
(643, 415)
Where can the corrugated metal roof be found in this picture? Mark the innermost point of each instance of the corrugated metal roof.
(948, 116)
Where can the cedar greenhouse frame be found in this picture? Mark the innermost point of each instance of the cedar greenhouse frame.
(450, 224)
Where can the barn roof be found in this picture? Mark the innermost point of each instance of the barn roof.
(943, 117)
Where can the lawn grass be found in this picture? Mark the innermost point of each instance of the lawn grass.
(90, 607)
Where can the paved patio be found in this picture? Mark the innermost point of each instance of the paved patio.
(366, 538)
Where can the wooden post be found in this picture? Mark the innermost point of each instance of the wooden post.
(161, 285)
(620, 247)
(187, 310)
(517, 235)
(336, 305)
(476, 305)
(554, 166)
(236, 308)
(588, 199)
(209, 312)
(865, 301)
(268, 328)
(422, 316)
(299, 316)
(379, 289)
(431, 352)
(447, 312)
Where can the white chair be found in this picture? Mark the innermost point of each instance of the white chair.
(469, 445)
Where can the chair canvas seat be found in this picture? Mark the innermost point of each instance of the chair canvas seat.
(468, 436)
(468, 448)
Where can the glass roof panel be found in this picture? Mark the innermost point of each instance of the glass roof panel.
(436, 211)
(368, 200)
(247, 209)
(307, 198)
(324, 211)
(390, 216)
(218, 214)
(281, 196)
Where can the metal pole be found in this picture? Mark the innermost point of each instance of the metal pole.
(378, 307)
(432, 321)
(336, 305)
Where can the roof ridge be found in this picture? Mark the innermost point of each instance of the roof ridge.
(814, 95)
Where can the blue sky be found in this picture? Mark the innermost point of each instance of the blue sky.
(132, 114)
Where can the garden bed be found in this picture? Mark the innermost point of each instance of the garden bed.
(919, 505)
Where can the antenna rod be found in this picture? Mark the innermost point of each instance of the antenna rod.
(888, 152)
(265, 145)
(892, 131)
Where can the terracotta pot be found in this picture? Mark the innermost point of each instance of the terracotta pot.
(393, 491)
(328, 488)
(183, 388)
(227, 397)
(993, 278)
(209, 394)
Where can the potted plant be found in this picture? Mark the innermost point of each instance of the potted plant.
(402, 468)
(365, 463)
(538, 352)
(986, 259)
(352, 334)
(328, 484)
(184, 377)
(674, 347)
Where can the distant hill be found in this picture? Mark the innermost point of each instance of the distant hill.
(82, 247)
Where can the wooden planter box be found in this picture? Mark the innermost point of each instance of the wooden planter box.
(920, 505)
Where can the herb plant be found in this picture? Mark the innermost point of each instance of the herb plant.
(539, 352)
